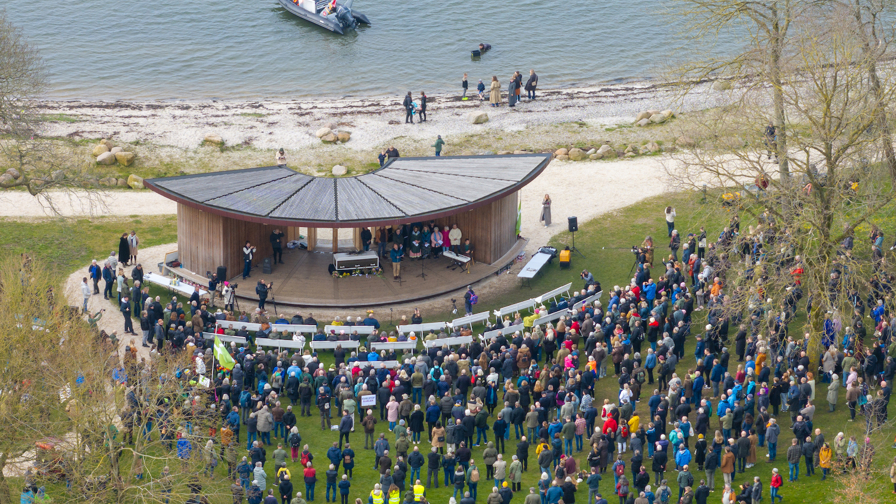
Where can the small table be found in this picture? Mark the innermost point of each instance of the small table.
(533, 267)
(181, 288)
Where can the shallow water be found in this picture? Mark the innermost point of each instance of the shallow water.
(252, 49)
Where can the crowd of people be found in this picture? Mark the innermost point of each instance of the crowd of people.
(664, 433)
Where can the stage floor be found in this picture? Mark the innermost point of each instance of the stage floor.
(303, 281)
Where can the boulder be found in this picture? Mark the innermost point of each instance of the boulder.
(591, 151)
(12, 172)
(105, 182)
(99, 150)
(594, 156)
(121, 182)
(630, 154)
(135, 181)
(604, 149)
(576, 154)
(652, 147)
(343, 136)
(563, 157)
(561, 152)
(721, 85)
(477, 117)
(610, 154)
(339, 170)
(329, 138)
(658, 118)
(116, 150)
(213, 140)
(125, 158)
(6, 179)
(58, 175)
(642, 115)
(504, 153)
(668, 113)
(631, 149)
(643, 122)
(331, 125)
(685, 141)
(106, 158)
(652, 112)
(107, 143)
(322, 132)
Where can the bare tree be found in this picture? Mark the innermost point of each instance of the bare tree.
(30, 162)
(761, 62)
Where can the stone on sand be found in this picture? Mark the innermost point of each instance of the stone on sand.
(561, 152)
(604, 149)
(652, 147)
(643, 122)
(576, 154)
(477, 117)
(125, 158)
(106, 158)
(658, 118)
(642, 115)
(135, 181)
(563, 157)
(685, 141)
(100, 149)
(12, 172)
(329, 138)
(323, 132)
(339, 170)
(6, 179)
(343, 136)
(213, 140)
(116, 150)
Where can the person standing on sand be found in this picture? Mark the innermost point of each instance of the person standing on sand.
(531, 84)
(546, 210)
(464, 85)
(382, 157)
(408, 108)
(511, 91)
(133, 246)
(438, 145)
(281, 158)
(494, 92)
(422, 106)
(480, 88)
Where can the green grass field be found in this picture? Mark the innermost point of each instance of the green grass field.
(605, 243)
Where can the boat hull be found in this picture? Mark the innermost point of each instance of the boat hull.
(331, 24)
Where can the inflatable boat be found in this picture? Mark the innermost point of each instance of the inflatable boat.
(330, 14)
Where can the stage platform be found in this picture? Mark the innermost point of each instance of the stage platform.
(303, 281)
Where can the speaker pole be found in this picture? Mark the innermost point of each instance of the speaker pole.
(573, 223)
(574, 249)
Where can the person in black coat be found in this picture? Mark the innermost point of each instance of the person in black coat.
(659, 465)
(408, 108)
(124, 250)
(422, 110)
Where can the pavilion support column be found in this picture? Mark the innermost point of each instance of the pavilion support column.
(356, 237)
(335, 240)
(312, 238)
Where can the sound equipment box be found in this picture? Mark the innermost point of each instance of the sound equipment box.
(573, 224)
(222, 273)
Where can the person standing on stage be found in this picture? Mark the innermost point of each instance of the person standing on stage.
(396, 256)
(277, 244)
(248, 254)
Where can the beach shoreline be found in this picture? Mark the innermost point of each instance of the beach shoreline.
(373, 121)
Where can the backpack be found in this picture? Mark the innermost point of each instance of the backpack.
(436, 374)
(474, 299)
(295, 440)
(640, 377)
(620, 469)
(305, 459)
(690, 480)
(474, 475)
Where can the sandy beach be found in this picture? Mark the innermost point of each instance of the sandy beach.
(373, 121)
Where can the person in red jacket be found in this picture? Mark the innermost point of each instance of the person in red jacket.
(610, 426)
(776, 484)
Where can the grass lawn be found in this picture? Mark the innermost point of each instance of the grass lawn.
(605, 243)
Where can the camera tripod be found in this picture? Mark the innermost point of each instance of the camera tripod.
(422, 267)
(573, 248)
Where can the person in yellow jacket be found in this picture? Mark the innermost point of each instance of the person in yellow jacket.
(529, 322)
(824, 460)
(376, 496)
(419, 491)
(634, 423)
(541, 447)
(394, 494)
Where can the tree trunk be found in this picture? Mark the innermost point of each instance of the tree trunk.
(880, 106)
(775, 72)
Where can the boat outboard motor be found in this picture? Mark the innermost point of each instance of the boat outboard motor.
(345, 18)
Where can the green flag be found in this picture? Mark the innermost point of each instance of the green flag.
(222, 356)
(519, 217)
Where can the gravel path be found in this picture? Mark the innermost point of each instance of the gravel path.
(81, 203)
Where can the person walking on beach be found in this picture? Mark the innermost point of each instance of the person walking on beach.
(494, 92)
(422, 109)
(438, 145)
(546, 210)
(480, 88)
(531, 84)
(408, 108)
(464, 85)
